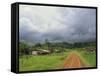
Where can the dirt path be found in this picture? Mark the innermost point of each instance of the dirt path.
(73, 61)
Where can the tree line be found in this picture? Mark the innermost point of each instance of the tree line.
(25, 49)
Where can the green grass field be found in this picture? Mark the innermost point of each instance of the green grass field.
(53, 61)
(88, 58)
(42, 62)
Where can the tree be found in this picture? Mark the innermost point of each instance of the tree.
(49, 45)
(38, 45)
(24, 49)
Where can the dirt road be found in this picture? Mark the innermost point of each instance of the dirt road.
(73, 61)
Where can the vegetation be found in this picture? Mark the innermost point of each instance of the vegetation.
(58, 53)
(42, 62)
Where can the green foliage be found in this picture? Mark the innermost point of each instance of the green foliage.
(24, 49)
(83, 44)
(45, 62)
(53, 60)
(52, 46)
(90, 58)
(38, 45)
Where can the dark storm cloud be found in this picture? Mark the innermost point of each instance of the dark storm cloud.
(57, 24)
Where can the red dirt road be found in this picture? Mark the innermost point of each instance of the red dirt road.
(73, 61)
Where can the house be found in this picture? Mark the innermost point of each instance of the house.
(40, 52)
(90, 50)
(44, 52)
(34, 52)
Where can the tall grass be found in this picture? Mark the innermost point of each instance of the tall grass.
(53, 61)
(90, 58)
(41, 62)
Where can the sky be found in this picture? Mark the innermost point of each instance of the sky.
(57, 24)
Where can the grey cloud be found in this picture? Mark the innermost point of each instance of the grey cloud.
(78, 24)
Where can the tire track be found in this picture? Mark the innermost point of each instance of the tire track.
(73, 61)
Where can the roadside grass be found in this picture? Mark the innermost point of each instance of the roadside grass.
(54, 60)
(88, 58)
(41, 62)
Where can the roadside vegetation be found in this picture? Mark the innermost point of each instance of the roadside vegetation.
(48, 55)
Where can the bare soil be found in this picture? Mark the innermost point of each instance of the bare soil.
(73, 61)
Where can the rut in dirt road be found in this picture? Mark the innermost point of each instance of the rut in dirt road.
(73, 61)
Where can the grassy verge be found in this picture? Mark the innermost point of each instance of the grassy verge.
(53, 61)
(43, 62)
(89, 58)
